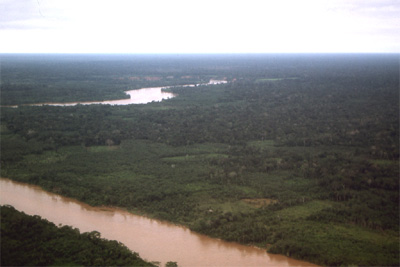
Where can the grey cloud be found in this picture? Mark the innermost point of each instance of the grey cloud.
(25, 14)
(20, 10)
(371, 8)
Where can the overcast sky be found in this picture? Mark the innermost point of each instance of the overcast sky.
(191, 26)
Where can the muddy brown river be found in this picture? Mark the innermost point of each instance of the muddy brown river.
(154, 240)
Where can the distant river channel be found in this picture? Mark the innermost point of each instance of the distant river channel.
(136, 96)
(154, 240)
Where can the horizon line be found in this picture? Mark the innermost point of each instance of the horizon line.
(187, 53)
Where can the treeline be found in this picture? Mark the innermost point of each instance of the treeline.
(291, 112)
(28, 79)
(319, 141)
(360, 187)
(357, 112)
(33, 241)
(304, 238)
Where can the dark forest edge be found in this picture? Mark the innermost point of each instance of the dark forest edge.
(306, 167)
(33, 241)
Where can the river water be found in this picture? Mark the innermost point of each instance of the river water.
(137, 96)
(154, 240)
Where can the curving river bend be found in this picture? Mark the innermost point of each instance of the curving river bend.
(136, 96)
(154, 240)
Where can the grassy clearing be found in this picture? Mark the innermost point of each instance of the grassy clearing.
(49, 157)
(181, 158)
(259, 202)
(303, 211)
(262, 144)
(319, 147)
(196, 157)
(225, 207)
(99, 149)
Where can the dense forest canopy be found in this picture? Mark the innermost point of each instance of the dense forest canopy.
(33, 241)
(41, 78)
(296, 153)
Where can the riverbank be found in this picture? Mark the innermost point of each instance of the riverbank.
(33, 241)
(136, 96)
(295, 166)
(151, 238)
(205, 208)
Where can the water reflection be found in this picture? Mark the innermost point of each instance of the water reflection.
(137, 96)
(153, 240)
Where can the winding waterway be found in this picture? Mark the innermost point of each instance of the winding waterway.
(154, 240)
(136, 96)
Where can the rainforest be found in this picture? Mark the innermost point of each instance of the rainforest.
(297, 154)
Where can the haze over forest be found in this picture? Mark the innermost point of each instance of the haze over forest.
(270, 124)
(295, 154)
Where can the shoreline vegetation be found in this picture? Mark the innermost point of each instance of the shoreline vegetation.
(321, 148)
(32, 241)
(136, 96)
(138, 232)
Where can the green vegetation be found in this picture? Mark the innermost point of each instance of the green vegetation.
(32, 241)
(324, 148)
